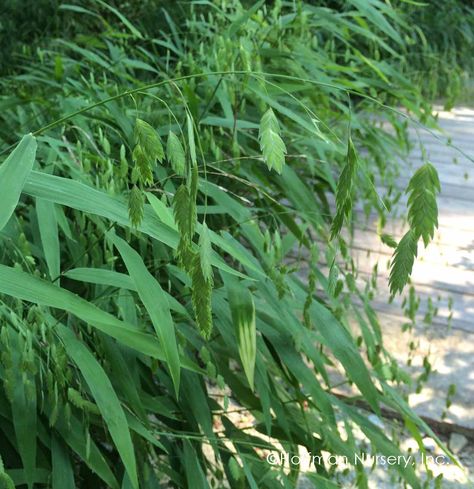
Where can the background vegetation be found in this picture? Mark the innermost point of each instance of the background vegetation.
(174, 232)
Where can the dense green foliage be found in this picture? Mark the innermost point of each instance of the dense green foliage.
(174, 243)
(439, 57)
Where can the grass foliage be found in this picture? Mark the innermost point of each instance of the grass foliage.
(165, 229)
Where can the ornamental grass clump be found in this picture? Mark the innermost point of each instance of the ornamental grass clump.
(174, 229)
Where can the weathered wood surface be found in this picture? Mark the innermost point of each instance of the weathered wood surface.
(443, 273)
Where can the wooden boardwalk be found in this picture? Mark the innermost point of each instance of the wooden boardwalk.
(443, 274)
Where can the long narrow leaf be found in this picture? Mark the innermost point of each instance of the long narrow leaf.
(48, 226)
(63, 474)
(23, 408)
(26, 287)
(105, 397)
(242, 309)
(13, 173)
(156, 304)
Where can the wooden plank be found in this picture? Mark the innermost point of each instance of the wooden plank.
(461, 309)
(442, 277)
(445, 428)
(448, 303)
(449, 255)
(457, 214)
(464, 192)
(443, 273)
(444, 155)
(452, 358)
(448, 133)
(449, 175)
(463, 239)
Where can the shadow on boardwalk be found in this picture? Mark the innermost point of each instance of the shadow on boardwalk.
(443, 275)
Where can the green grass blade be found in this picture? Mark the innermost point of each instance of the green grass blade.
(13, 173)
(191, 143)
(48, 227)
(23, 402)
(164, 213)
(122, 18)
(67, 192)
(26, 287)
(339, 341)
(242, 19)
(73, 434)
(101, 276)
(381, 443)
(194, 473)
(243, 317)
(63, 474)
(156, 304)
(19, 477)
(105, 397)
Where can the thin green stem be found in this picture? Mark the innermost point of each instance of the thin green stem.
(256, 75)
